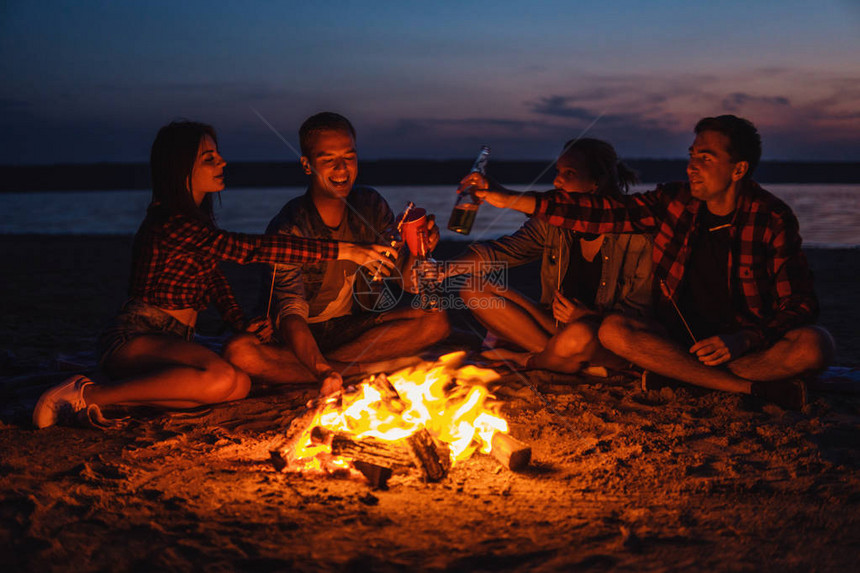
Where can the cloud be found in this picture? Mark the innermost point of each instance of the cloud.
(538, 137)
(559, 106)
(738, 100)
(802, 114)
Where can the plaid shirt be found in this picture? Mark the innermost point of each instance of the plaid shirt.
(767, 271)
(175, 262)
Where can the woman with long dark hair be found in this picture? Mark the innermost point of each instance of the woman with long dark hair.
(583, 277)
(148, 354)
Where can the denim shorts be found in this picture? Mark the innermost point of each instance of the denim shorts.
(137, 318)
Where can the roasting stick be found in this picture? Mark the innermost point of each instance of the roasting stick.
(558, 280)
(665, 290)
(271, 290)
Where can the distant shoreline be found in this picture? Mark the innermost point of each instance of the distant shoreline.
(112, 176)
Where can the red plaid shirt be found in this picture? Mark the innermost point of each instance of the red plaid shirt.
(175, 262)
(766, 264)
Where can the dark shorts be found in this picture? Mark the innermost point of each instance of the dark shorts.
(668, 317)
(136, 318)
(334, 333)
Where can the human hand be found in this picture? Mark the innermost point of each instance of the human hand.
(367, 255)
(330, 382)
(567, 310)
(432, 232)
(472, 182)
(262, 328)
(719, 349)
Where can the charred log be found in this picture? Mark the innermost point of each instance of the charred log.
(431, 457)
(419, 450)
(378, 476)
(382, 453)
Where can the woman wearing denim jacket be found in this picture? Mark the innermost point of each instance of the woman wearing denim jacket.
(148, 354)
(583, 277)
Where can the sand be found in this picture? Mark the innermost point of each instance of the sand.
(620, 480)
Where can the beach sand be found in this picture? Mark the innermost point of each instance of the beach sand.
(620, 479)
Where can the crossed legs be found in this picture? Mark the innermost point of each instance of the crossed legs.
(155, 370)
(515, 318)
(798, 352)
(400, 333)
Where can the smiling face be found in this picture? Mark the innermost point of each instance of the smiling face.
(207, 176)
(332, 163)
(711, 171)
(572, 174)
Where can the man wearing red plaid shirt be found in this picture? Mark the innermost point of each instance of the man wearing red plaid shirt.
(734, 293)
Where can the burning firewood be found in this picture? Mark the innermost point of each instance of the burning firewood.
(377, 476)
(386, 390)
(419, 450)
(427, 416)
(433, 463)
(392, 455)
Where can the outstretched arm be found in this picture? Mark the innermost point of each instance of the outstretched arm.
(497, 195)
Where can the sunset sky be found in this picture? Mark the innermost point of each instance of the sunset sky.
(87, 81)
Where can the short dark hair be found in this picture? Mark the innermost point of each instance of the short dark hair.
(613, 177)
(171, 161)
(744, 139)
(323, 121)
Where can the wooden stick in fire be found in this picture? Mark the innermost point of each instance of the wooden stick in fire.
(666, 293)
(510, 452)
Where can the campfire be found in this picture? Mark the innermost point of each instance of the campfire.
(425, 418)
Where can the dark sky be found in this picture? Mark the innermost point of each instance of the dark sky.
(87, 81)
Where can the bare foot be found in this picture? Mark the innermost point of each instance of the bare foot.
(331, 382)
(389, 366)
(519, 358)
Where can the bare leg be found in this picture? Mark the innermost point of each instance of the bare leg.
(403, 332)
(800, 351)
(161, 371)
(269, 363)
(278, 364)
(573, 348)
(511, 316)
(641, 343)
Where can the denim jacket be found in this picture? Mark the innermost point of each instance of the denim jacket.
(625, 282)
(368, 214)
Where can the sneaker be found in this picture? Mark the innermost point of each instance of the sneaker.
(64, 399)
(788, 394)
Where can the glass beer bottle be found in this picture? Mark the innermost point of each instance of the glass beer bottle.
(466, 208)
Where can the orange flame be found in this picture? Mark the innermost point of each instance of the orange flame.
(452, 403)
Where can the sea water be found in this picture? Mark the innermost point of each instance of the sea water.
(829, 214)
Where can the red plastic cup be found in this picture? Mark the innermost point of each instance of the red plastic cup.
(415, 232)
